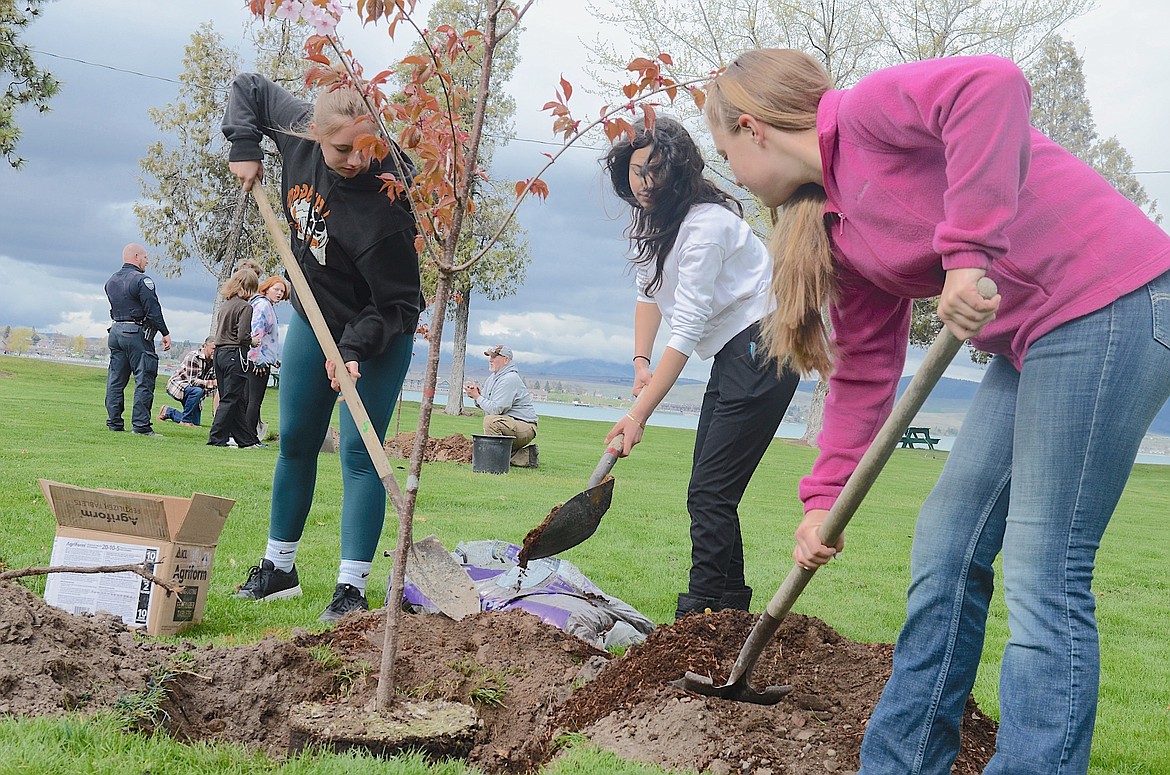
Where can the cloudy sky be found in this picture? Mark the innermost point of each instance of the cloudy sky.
(68, 212)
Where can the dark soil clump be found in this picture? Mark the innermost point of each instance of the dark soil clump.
(528, 681)
(455, 448)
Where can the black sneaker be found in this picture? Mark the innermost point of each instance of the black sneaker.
(346, 598)
(265, 582)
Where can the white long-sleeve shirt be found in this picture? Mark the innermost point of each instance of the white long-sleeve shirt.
(715, 282)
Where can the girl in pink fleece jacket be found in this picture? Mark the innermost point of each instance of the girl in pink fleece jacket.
(916, 183)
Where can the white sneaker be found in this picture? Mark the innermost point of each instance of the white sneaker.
(232, 443)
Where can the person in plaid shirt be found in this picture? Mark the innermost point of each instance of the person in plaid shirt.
(194, 379)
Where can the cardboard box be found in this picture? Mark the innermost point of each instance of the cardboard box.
(174, 537)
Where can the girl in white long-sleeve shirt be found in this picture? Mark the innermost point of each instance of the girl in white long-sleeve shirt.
(703, 271)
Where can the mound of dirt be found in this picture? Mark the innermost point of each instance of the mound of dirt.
(455, 448)
(528, 681)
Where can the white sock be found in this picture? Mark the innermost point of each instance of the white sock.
(282, 553)
(355, 573)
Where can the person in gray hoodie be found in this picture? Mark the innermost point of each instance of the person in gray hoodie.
(505, 400)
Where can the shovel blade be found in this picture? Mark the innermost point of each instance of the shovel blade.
(736, 691)
(442, 579)
(569, 525)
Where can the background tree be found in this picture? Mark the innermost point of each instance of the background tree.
(912, 30)
(501, 271)
(192, 208)
(20, 339)
(24, 82)
(79, 344)
(1061, 110)
(498, 274)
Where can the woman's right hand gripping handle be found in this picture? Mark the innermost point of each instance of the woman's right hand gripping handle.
(810, 553)
(250, 172)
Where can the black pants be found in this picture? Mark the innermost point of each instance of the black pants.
(742, 408)
(257, 379)
(130, 353)
(233, 399)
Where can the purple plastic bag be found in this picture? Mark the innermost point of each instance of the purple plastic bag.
(551, 588)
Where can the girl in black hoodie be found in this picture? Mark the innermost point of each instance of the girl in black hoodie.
(356, 247)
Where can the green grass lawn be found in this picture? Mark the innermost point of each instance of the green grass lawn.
(52, 421)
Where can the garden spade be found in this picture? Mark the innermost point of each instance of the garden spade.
(434, 572)
(738, 687)
(570, 524)
(442, 579)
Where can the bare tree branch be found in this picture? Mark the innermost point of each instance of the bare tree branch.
(138, 569)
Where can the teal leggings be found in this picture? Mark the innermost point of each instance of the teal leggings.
(306, 405)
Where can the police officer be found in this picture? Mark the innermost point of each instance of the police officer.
(137, 315)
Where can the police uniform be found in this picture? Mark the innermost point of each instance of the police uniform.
(136, 315)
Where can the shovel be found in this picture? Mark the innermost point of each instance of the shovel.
(570, 524)
(434, 572)
(738, 688)
(442, 579)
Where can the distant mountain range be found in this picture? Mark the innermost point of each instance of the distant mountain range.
(950, 396)
(585, 369)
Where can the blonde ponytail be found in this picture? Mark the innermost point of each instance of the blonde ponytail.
(803, 281)
(783, 88)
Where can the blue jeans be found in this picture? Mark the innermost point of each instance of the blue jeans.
(1035, 474)
(306, 406)
(192, 406)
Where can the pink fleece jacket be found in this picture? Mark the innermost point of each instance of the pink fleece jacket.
(934, 165)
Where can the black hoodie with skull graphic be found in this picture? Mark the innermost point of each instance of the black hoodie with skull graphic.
(354, 244)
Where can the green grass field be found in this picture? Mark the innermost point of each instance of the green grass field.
(52, 418)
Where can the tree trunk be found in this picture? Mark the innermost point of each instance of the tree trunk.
(459, 355)
(816, 413)
(225, 274)
(228, 261)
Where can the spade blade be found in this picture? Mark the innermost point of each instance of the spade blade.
(442, 579)
(568, 525)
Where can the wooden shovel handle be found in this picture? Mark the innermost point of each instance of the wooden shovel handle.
(940, 355)
(325, 339)
(937, 359)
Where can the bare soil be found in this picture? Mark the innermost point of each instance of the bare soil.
(455, 448)
(528, 681)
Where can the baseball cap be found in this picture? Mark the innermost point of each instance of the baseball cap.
(499, 349)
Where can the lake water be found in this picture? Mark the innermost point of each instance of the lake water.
(787, 430)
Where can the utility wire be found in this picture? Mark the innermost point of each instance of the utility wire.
(507, 140)
(106, 67)
(175, 81)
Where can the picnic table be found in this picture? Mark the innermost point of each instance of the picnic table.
(918, 436)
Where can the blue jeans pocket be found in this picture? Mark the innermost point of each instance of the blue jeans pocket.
(1160, 306)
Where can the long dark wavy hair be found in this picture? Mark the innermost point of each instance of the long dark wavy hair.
(675, 169)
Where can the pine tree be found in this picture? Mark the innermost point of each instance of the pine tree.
(1061, 110)
(25, 83)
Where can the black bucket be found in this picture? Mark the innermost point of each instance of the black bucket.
(490, 454)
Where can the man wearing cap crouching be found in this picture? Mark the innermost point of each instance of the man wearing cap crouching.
(505, 400)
